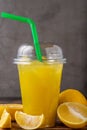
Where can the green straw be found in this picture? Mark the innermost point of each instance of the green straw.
(33, 30)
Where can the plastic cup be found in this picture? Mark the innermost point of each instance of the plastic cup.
(39, 83)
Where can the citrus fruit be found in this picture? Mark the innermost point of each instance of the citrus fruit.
(72, 95)
(5, 121)
(11, 108)
(73, 114)
(28, 121)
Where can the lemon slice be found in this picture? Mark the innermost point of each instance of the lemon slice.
(5, 121)
(28, 121)
(72, 95)
(11, 108)
(73, 114)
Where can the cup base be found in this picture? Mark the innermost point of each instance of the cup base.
(47, 126)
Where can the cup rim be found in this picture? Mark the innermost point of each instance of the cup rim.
(21, 60)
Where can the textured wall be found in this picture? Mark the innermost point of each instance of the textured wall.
(61, 21)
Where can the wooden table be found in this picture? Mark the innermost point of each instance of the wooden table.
(58, 126)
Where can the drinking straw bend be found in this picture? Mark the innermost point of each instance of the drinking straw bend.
(33, 30)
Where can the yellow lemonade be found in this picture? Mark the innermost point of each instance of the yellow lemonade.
(40, 87)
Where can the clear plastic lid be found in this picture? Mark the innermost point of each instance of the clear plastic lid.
(51, 53)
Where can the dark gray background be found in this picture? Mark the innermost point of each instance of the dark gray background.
(60, 21)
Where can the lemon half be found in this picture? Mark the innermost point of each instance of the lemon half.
(73, 114)
(72, 95)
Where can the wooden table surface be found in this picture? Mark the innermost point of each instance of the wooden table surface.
(58, 126)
